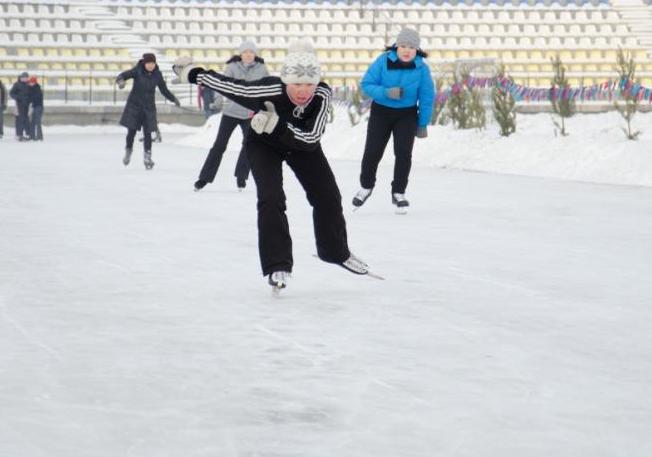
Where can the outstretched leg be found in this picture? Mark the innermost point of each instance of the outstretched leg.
(315, 175)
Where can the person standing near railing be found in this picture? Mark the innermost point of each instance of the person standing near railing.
(140, 110)
(36, 110)
(3, 108)
(20, 92)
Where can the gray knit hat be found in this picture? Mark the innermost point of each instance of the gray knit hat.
(24, 75)
(248, 45)
(301, 65)
(408, 37)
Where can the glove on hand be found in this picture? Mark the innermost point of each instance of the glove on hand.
(264, 121)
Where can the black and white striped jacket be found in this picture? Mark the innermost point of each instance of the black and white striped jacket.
(297, 130)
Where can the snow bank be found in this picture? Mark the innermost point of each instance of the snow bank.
(596, 149)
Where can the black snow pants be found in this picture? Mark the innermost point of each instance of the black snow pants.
(315, 175)
(214, 158)
(383, 122)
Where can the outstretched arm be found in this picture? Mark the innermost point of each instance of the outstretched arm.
(249, 94)
(165, 91)
(125, 75)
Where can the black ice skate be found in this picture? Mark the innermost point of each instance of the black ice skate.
(127, 158)
(149, 163)
(361, 197)
(401, 203)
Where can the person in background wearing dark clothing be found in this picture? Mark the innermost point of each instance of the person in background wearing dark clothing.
(20, 92)
(209, 101)
(246, 66)
(400, 84)
(140, 111)
(3, 108)
(36, 109)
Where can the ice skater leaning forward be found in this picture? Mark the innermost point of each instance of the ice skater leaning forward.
(400, 84)
(291, 114)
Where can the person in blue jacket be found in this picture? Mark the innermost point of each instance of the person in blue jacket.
(400, 84)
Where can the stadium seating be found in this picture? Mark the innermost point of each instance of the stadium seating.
(74, 46)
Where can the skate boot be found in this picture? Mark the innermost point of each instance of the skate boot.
(361, 197)
(200, 184)
(401, 203)
(127, 158)
(149, 163)
(355, 265)
(279, 280)
(241, 183)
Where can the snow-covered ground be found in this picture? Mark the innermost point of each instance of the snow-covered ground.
(515, 319)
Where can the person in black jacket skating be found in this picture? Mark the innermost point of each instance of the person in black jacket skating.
(291, 115)
(20, 92)
(36, 110)
(140, 110)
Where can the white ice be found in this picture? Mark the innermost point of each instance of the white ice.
(516, 318)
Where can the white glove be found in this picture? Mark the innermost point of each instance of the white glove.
(181, 67)
(264, 121)
(121, 83)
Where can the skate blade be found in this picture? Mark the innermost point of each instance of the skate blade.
(375, 276)
(401, 211)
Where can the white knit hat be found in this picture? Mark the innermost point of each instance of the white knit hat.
(301, 65)
(248, 45)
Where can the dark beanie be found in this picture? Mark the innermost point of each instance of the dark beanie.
(24, 75)
(149, 57)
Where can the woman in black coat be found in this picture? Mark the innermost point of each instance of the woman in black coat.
(140, 110)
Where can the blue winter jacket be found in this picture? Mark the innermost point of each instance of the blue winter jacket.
(416, 83)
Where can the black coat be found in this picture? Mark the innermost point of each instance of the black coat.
(3, 97)
(20, 92)
(36, 95)
(140, 110)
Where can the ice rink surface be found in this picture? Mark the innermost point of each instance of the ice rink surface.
(516, 318)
